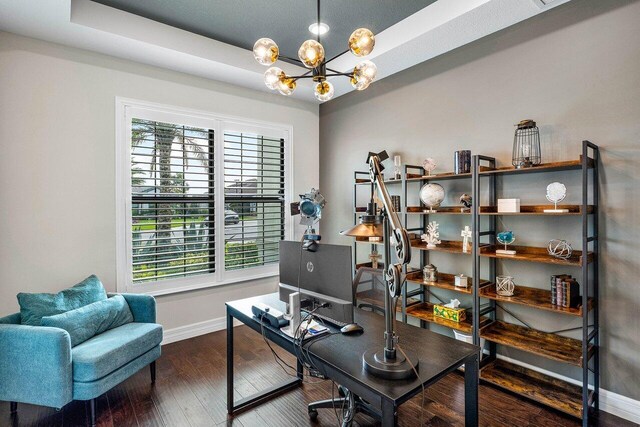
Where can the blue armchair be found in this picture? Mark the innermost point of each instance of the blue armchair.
(39, 366)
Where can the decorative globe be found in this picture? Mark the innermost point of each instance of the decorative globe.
(432, 195)
(311, 53)
(323, 91)
(272, 77)
(361, 42)
(559, 249)
(265, 51)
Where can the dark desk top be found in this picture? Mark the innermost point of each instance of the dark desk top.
(438, 354)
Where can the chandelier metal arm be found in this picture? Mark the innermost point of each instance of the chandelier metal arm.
(338, 55)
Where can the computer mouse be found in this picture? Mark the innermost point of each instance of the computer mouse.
(351, 328)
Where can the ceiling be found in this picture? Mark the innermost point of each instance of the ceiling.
(241, 22)
(212, 38)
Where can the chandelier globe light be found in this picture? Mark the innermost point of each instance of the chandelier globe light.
(311, 54)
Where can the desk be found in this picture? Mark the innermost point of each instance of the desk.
(339, 357)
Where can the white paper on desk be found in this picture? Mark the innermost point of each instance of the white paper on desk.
(313, 327)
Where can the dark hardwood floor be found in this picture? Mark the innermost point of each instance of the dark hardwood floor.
(191, 391)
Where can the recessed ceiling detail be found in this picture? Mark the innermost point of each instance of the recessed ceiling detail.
(242, 22)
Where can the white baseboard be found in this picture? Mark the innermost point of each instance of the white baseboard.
(613, 403)
(196, 329)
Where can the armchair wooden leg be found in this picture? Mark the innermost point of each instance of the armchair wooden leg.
(152, 368)
(92, 410)
(14, 407)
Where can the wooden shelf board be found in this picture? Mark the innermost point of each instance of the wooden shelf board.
(451, 210)
(545, 344)
(445, 281)
(536, 386)
(544, 167)
(534, 254)
(450, 246)
(532, 297)
(536, 210)
(369, 265)
(424, 311)
(376, 297)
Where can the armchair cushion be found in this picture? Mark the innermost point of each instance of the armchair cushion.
(33, 307)
(93, 319)
(104, 353)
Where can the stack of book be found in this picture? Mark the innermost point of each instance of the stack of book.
(565, 291)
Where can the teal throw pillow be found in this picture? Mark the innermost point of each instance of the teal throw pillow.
(33, 307)
(93, 319)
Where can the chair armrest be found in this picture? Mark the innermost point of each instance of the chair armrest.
(35, 365)
(143, 307)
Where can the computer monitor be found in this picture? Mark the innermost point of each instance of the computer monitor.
(323, 276)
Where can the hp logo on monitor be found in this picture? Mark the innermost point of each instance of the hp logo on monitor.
(310, 267)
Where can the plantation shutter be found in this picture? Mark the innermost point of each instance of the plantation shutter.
(172, 201)
(254, 191)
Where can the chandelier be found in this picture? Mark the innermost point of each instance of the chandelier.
(311, 55)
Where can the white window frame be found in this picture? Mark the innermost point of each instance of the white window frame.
(126, 110)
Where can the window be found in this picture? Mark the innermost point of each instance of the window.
(201, 199)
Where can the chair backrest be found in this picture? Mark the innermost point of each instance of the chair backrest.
(368, 288)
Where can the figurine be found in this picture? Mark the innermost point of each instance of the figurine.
(466, 201)
(432, 235)
(506, 238)
(429, 165)
(466, 235)
(374, 256)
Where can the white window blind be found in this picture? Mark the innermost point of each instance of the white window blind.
(254, 190)
(172, 201)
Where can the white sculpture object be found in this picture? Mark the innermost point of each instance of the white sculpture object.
(431, 237)
(429, 165)
(556, 192)
(466, 236)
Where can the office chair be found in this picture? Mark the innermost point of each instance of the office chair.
(347, 402)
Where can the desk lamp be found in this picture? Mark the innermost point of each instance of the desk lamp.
(386, 362)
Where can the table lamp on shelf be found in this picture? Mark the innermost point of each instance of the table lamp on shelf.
(388, 362)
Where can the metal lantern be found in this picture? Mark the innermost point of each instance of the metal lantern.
(526, 145)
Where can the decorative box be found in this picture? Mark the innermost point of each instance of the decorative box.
(457, 314)
(508, 205)
(461, 281)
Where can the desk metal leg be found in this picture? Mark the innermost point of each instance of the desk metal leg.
(471, 384)
(389, 413)
(259, 397)
(230, 389)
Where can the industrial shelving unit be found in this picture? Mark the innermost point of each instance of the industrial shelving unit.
(482, 321)
(564, 396)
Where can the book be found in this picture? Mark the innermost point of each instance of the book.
(557, 288)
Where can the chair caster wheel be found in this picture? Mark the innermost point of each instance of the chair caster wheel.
(313, 414)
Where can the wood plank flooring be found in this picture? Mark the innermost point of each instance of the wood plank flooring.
(191, 391)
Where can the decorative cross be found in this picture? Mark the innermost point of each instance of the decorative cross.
(466, 234)
(374, 257)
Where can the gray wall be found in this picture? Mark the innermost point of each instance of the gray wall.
(57, 166)
(576, 71)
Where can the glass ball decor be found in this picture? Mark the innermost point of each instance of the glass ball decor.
(286, 85)
(311, 53)
(323, 91)
(272, 77)
(363, 74)
(266, 51)
(432, 195)
(362, 42)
